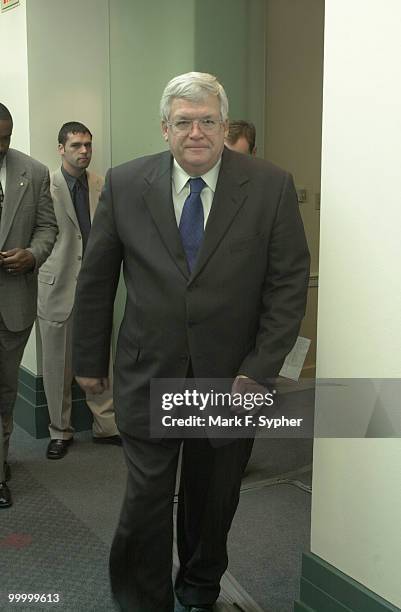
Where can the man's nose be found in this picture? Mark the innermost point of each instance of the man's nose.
(195, 129)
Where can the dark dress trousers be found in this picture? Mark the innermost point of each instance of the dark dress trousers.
(239, 311)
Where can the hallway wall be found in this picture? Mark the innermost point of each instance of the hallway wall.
(294, 82)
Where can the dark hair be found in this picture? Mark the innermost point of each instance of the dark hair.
(238, 128)
(72, 127)
(5, 114)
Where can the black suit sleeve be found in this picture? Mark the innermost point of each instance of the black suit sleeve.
(284, 292)
(96, 290)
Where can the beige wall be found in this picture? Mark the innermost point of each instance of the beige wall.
(294, 73)
(294, 99)
(356, 502)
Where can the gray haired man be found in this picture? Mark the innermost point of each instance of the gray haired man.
(216, 268)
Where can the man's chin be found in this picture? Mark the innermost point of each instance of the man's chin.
(196, 165)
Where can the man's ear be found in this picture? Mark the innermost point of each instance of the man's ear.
(164, 127)
(60, 148)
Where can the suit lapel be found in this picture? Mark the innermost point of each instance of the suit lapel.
(16, 184)
(158, 198)
(94, 194)
(62, 196)
(230, 195)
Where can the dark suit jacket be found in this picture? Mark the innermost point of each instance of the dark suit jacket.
(27, 222)
(238, 312)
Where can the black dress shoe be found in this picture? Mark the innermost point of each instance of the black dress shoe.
(116, 440)
(5, 496)
(58, 448)
(7, 472)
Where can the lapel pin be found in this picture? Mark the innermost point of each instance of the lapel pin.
(21, 184)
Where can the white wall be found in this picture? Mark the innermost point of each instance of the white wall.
(356, 505)
(14, 73)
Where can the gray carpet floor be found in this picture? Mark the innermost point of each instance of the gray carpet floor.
(56, 537)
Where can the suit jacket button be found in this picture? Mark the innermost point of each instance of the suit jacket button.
(79, 257)
(184, 358)
(79, 237)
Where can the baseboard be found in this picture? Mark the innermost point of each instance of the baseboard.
(325, 589)
(31, 412)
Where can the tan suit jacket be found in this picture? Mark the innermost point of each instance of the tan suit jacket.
(56, 294)
(58, 276)
(27, 222)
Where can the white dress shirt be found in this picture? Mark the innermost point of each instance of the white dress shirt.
(3, 174)
(180, 189)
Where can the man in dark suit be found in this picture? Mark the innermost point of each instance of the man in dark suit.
(216, 268)
(28, 230)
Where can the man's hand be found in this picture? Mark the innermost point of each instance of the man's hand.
(17, 261)
(243, 385)
(95, 386)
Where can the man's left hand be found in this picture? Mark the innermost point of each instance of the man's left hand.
(243, 385)
(17, 261)
(96, 386)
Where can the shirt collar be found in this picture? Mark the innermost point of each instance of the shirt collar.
(181, 178)
(71, 180)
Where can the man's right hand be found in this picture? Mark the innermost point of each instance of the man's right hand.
(95, 386)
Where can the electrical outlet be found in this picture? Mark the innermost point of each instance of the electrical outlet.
(302, 195)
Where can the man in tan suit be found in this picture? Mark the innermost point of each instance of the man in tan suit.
(75, 193)
(27, 233)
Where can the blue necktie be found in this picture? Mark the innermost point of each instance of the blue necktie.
(192, 221)
(81, 205)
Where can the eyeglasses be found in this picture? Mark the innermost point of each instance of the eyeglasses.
(184, 126)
